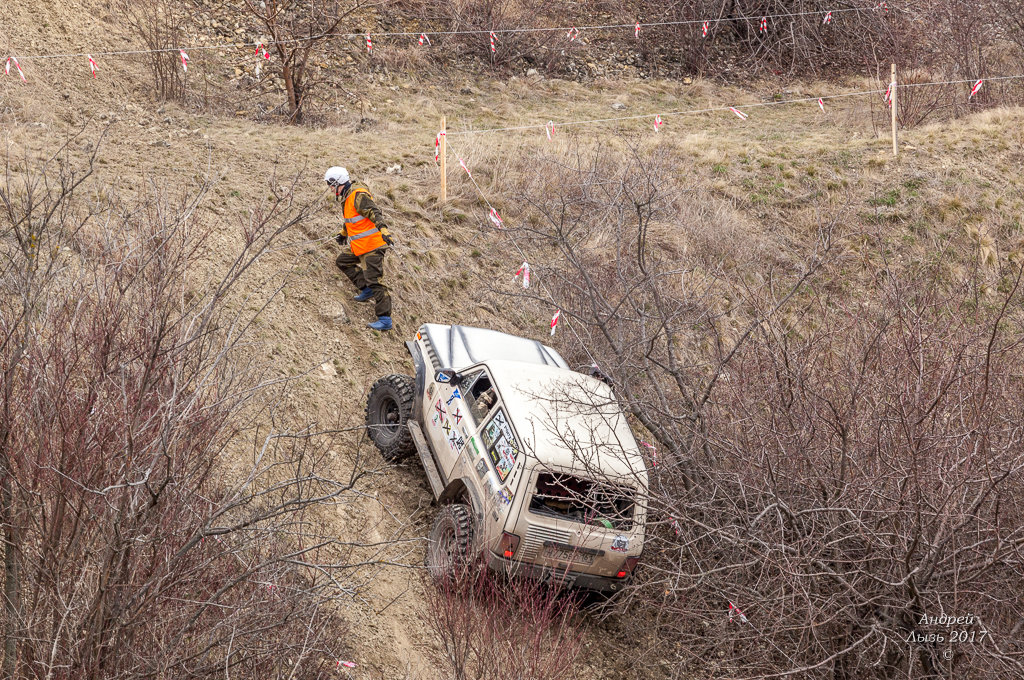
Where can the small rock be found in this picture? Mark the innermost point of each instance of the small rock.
(160, 142)
(619, 106)
(532, 73)
(327, 368)
(394, 169)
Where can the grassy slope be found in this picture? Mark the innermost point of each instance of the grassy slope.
(762, 183)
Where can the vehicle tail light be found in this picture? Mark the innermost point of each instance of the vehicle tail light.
(509, 543)
(628, 567)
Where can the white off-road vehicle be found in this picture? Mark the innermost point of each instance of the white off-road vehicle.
(532, 463)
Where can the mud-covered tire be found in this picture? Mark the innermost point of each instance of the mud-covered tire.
(450, 546)
(388, 410)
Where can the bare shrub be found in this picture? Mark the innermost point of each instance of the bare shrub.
(159, 518)
(487, 627)
(159, 24)
(838, 462)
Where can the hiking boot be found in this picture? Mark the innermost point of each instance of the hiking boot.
(383, 323)
(364, 295)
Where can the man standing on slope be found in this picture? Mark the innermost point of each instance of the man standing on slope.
(368, 240)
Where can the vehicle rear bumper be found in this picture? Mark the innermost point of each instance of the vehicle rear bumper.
(573, 579)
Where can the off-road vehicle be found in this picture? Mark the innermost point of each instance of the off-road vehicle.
(533, 464)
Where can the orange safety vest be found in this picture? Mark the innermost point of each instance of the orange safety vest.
(363, 234)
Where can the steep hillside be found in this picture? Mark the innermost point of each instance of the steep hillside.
(760, 185)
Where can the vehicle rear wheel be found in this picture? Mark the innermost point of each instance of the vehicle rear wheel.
(388, 410)
(450, 547)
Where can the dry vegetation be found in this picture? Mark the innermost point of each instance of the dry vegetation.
(821, 340)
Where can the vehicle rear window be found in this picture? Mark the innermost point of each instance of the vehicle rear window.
(582, 500)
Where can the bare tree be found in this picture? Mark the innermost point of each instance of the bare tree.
(298, 31)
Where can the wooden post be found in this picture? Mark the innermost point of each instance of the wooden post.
(442, 152)
(892, 102)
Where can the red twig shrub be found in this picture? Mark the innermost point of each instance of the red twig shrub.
(491, 628)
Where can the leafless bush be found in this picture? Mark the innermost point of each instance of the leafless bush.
(837, 462)
(158, 517)
(490, 628)
(160, 24)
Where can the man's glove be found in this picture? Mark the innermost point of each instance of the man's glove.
(387, 238)
(341, 238)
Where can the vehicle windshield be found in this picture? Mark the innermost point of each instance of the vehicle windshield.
(582, 500)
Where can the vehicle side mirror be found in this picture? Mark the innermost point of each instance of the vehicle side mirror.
(446, 375)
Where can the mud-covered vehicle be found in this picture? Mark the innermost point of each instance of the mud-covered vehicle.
(532, 463)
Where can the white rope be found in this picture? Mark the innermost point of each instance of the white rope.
(416, 34)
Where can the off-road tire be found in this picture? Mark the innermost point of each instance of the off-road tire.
(388, 410)
(450, 547)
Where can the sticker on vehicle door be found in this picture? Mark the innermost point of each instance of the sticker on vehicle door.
(502, 446)
(621, 543)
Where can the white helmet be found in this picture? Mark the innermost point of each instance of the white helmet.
(336, 176)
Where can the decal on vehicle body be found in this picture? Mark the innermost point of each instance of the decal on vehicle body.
(455, 395)
(621, 543)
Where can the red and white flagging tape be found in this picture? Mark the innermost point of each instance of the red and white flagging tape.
(704, 29)
(828, 18)
(7, 68)
(437, 145)
(494, 217)
(573, 34)
(657, 123)
(637, 29)
(524, 271)
(494, 40)
(550, 130)
(764, 24)
(974, 90)
(92, 65)
(424, 39)
(184, 61)
(739, 114)
(733, 608)
(554, 320)
(369, 44)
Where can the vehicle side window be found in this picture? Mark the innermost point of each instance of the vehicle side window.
(479, 394)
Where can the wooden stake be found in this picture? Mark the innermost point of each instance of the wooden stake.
(444, 165)
(892, 102)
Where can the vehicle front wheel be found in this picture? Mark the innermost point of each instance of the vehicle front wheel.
(388, 410)
(450, 547)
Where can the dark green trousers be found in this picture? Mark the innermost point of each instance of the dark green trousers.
(366, 271)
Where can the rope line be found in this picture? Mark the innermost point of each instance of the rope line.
(416, 34)
(715, 109)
